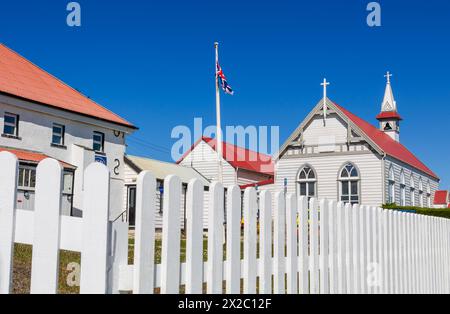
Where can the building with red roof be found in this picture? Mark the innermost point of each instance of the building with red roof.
(41, 117)
(442, 199)
(240, 166)
(334, 154)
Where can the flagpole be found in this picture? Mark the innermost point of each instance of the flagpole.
(219, 125)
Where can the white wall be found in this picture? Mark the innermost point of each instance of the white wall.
(35, 132)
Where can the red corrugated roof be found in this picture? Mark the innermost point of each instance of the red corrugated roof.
(34, 157)
(387, 144)
(441, 198)
(389, 115)
(240, 157)
(21, 78)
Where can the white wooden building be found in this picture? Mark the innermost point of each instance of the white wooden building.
(336, 155)
(134, 165)
(240, 166)
(40, 116)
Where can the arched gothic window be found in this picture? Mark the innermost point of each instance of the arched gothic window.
(412, 190)
(420, 192)
(349, 184)
(391, 187)
(402, 189)
(428, 195)
(307, 182)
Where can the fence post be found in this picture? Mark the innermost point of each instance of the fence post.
(215, 238)
(303, 244)
(194, 238)
(170, 254)
(279, 244)
(291, 243)
(8, 189)
(144, 242)
(233, 280)
(45, 257)
(96, 235)
(324, 247)
(265, 243)
(250, 234)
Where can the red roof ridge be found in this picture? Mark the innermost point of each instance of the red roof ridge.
(388, 145)
(24, 59)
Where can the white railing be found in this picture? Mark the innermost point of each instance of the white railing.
(318, 246)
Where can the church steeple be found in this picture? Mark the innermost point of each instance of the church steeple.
(389, 117)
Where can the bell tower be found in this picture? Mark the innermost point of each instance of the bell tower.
(389, 117)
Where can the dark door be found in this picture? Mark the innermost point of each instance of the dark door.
(132, 205)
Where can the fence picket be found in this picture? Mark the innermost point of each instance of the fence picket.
(250, 236)
(291, 243)
(356, 232)
(215, 239)
(170, 253)
(363, 249)
(94, 256)
(144, 240)
(233, 273)
(279, 243)
(8, 192)
(314, 245)
(194, 237)
(349, 247)
(342, 264)
(303, 244)
(45, 256)
(333, 247)
(265, 242)
(324, 247)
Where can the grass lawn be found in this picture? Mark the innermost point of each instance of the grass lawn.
(22, 265)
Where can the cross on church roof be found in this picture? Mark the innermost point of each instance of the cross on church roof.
(388, 76)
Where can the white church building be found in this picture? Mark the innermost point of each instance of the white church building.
(336, 155)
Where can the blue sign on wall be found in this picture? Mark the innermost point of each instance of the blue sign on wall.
(101, 159)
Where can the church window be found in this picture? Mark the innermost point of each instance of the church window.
(391, 188)
(428, 195)
(402, 189)
(307, 181)
(349, 184)
(387, 127)
(420, 192)
(413, 191)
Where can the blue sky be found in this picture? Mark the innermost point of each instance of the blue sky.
(153, 62)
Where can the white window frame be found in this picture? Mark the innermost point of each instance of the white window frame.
(402, 189)
(307, 181)
(61, 134)
(15, 125)
(21, 184)
(428, 195)
(349, 180)
(102, 142)
(421, 192)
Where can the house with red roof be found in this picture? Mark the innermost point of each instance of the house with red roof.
(442, 199)
(240, 166)
(41, 116)
(334, 154)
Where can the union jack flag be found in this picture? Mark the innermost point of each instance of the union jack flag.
(223, 81)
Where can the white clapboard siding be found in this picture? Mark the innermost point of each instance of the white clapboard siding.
(319, 246)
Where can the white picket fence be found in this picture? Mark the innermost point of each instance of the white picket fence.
(301, 247)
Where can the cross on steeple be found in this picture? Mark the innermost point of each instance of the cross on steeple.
(325, 84)
(388, 76)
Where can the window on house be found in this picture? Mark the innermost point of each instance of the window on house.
(11, 124)
(349, 184)
(402, 189)
(428, 195)
(413, 191)
(307, 181)
(58, 134)
(391, 188)
(27, 178)
(99, 141)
